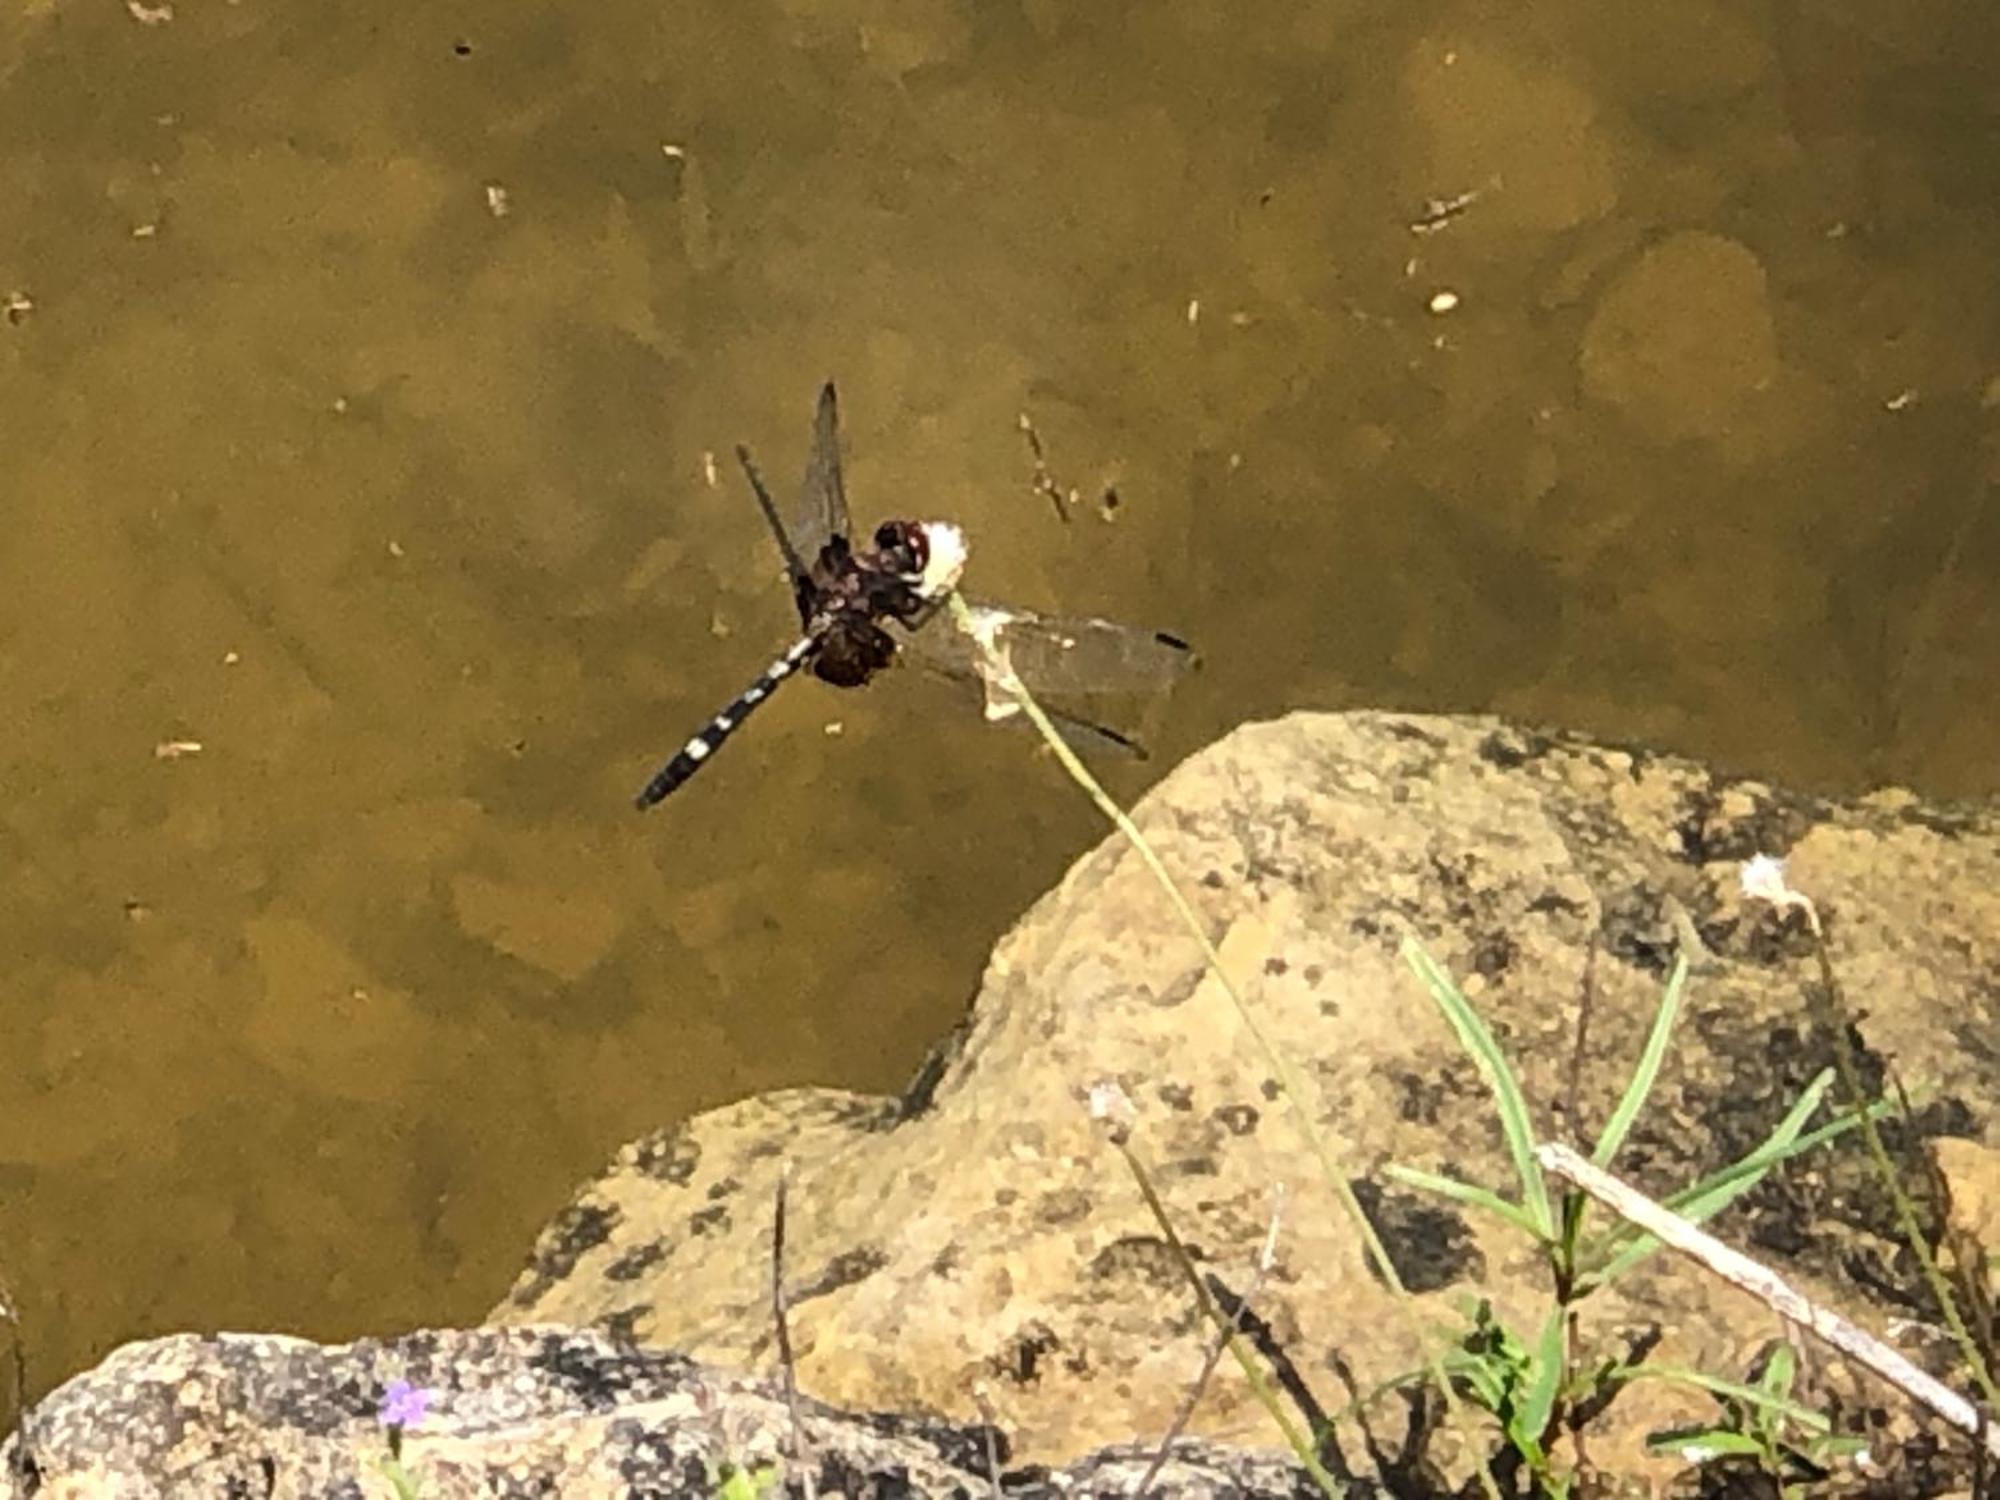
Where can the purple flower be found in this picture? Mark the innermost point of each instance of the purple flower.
(404, 1405)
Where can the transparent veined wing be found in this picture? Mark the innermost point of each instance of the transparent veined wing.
(1063, 654)
(822, 512)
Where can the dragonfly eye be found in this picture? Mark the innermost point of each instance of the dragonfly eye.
(906, 547)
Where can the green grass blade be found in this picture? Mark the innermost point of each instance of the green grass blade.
(1813, 1423)
(1706, 1445)
(1779, 1372)
(1643, 1076)
(1532, 1418)
(1506, 1089)
(1708, 1197)
(1462, 1192)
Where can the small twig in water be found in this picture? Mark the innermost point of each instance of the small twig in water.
(1929, 615)
(1044, 482)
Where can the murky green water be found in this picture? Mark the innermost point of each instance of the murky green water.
(357, 386)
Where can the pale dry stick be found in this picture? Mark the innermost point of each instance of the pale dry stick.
(801, 1444)
(990, 1421)
(1768, 1287)
(1113, 1110)
(1000, 675)
(1224, 1331)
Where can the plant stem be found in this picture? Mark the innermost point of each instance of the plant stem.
(1002, 676)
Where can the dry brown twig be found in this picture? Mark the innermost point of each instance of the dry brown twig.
(801, 1444)
(1768, 1287)
(991, 1419)
(1265, 1259)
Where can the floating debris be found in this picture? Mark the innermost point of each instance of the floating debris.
(176, 749)
(1438, 212)
(1044, 482)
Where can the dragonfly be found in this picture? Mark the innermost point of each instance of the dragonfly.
(860, 608)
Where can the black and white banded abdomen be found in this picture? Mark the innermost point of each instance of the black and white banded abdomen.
(692, 756)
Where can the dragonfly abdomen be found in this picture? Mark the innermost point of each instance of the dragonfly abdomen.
(692, 756)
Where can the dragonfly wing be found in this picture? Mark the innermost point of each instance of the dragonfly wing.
(822, 513)
(1052, 655)
(1062, 654)
(964, 668)
(795, 565)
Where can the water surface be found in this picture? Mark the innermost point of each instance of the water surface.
(361, 375)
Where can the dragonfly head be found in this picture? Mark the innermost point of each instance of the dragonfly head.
(929, 556)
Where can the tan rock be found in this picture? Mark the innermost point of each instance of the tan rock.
(978, 1241)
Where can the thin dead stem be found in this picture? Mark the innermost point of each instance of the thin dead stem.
(990, 1421)
(1224, 1331)
(1003, 678)
(802, 1457)
(1761, 1282)
(1305, 1448)
(1834, 1018)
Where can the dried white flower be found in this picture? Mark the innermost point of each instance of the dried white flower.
(987, 628)
(1763, 879)
(945, 564)
(1112, 1107)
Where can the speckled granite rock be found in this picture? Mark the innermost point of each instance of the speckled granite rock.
(979, 1235)
(516, 1412)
